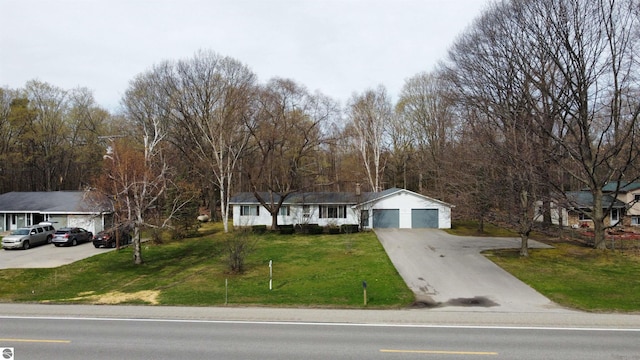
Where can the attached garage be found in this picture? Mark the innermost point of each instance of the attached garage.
(404, 209)
(386, 218)
(424, 218)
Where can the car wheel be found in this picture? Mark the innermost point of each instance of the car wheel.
(25, 245)
(112, 245)
(49, 239)
(74, 242)
(57, 245)
(96, 246)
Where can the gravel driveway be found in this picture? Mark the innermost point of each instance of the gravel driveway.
(449, 273)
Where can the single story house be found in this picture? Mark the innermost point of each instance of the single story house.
(392, 208)
(86, 209)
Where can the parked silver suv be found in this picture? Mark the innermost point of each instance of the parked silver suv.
(26, 237)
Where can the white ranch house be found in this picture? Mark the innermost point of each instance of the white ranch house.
(392, 208)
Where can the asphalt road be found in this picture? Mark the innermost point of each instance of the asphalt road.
(74, 338)
(449, 272)
(47, 256)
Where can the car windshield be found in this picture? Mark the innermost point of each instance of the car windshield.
(21, 232)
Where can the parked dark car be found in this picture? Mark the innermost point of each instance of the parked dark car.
(71, 236)
(107, 238)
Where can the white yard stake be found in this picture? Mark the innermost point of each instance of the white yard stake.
(270, 274)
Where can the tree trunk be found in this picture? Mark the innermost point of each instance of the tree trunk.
(524, 245)
(274, 220)
(137, 247)
(224, 210)
(598, 221)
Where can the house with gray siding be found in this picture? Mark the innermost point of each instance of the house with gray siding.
(85, 209)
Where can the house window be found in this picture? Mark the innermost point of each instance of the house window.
(636, 197)
(333, 211)
(635, 220)
(584, 217)
(247, 210)
(284, 211)
(306, 211)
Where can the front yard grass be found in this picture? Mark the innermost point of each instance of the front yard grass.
(312, 271)
(308, 271)
(578, 277)
(570, 274)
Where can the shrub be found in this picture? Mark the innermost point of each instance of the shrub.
(315, 229)
(349, 228)
(259, 229)
(333, 230)
(286, 229)
(238, 246)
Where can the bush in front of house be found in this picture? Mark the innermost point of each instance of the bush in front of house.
(259, 229)
(349, 228)
(311, 229)
(333, 230)
(315, 229)
(286, 229)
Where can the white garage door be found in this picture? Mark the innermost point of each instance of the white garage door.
(81, 221)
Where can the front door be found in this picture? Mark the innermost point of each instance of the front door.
(14, 222)
(615, 217)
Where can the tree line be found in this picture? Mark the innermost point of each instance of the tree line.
(535, 98)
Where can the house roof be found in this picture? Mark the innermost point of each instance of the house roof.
(584, 200)
(334, 198)
(389, 192)
(303, 198)
(52, 202)
(622, 186)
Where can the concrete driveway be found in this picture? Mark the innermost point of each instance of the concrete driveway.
(449, 273)
(47, 256)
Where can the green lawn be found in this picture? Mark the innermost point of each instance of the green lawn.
(570, 274)
(311, 271)
(578, 277)
(470, 228)
(308, 270)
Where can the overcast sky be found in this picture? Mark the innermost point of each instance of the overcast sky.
(337, 47)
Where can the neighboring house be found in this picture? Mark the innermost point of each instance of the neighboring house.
(86, 209)
(624, 209)
(629, 194)
(392, 208)
(581, 204)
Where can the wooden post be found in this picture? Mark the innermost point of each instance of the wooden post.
(364, 289)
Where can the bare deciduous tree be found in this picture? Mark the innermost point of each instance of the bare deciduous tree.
(213, 104)
(425, 109)
(285, 140)
(140, 171)
(370, 115)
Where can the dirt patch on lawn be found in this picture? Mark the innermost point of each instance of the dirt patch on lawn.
(117, 297)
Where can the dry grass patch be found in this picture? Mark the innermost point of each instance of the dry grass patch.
(117, 297)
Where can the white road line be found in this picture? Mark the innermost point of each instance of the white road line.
(253, 322)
